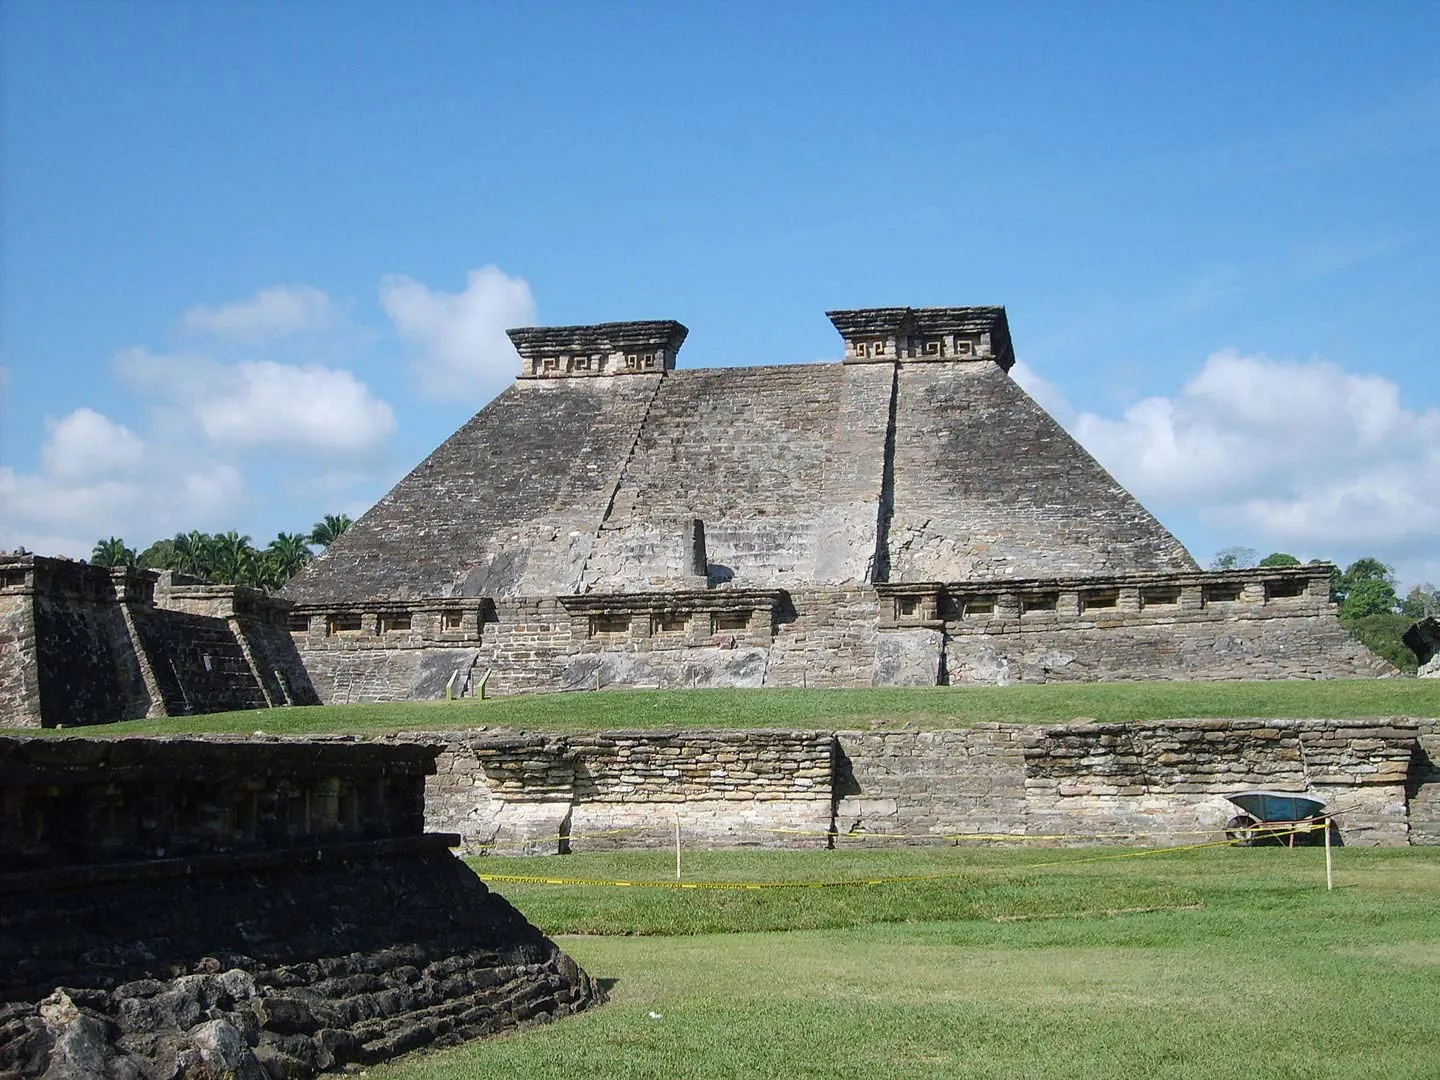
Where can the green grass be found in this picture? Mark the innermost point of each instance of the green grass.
(933, 707)
(1253, 972)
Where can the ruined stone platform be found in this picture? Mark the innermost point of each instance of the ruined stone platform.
(261, 909)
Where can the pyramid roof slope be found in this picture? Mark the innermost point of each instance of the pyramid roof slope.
(802, 474)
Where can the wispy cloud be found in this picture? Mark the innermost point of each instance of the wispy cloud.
(276, 312)
(463, 350)
(1302, 455)
(262, 404)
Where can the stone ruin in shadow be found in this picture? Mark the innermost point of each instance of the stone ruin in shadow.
(261, 910)
(1423, 639)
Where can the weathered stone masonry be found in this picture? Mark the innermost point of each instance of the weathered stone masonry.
(906, 517)
(255, 909)
(82, 644)
(1147, 783)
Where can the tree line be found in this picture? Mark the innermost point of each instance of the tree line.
(227, 558)
(1370, 606)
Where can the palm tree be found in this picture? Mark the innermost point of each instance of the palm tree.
(191, 554)
(159, 556)
(112, 552)
(233, 559)
(285, 556)
(328, 530)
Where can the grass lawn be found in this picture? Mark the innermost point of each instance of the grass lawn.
(1004, 969)
(931, 707)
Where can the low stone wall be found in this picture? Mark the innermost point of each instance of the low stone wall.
(246, 908)
(1164, 780)
(1422, 788)
(1142, 783)
(916, 786)
(621, 789)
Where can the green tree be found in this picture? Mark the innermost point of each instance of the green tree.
(1367, 587)
(329, 529)
(1279, 558)
(1421, 601)
(190, 553)
(1234, 558)
(285, 556)
(233, 560)
(1383, 634)
(158, 556)
(112, 552)
(1368, 598)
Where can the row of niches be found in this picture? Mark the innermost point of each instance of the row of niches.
(945, 347)
(600, 363)
(676, 628)
(1157, 600)
(102, 821)
(391, 625)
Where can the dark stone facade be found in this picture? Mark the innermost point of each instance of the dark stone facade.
(263, 909)
(1423, 639)
(82, 644)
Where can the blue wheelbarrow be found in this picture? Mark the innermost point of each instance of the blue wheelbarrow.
(1276, 818)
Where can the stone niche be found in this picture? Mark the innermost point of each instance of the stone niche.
(622, 348)
(248, 908)
(881, 335)
(721, 618)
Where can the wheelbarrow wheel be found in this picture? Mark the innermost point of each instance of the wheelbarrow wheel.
(1241, 829)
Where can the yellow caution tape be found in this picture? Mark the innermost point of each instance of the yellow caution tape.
(889, 880)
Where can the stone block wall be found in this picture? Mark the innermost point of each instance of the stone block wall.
(916, 786)
(1165, 780)
(1152, 783)
(1422, 789)
(82, 644)
(246, 908)
(1196, 626)
(1126, 783)
(827, 638)
(1250, 624)
(71, 658)
(541, 793)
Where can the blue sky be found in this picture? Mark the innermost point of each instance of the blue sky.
(256, 258)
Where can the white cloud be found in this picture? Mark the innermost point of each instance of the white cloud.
(88, 444)
(464, 350)
(299, 407)
(261, 404)
(1299, 455)
(279, 311)
(80, 493)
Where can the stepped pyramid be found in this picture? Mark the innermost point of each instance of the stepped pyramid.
(909, 515)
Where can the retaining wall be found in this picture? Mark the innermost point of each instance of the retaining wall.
(1143, 783)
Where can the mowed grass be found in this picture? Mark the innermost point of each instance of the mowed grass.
(1250, 970)
(931, 707)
